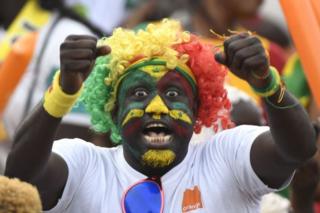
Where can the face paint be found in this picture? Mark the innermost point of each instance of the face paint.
(155, 71)
(156, 114)
(134, 113)
(158, 158)
(178, 114)
(157, 107)
(130, 104)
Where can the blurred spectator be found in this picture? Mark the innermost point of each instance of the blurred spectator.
(9, 10)
(199, 16)
(303, 187)
(38, 73)
(269, 30)
(105, 14)
(18, 197)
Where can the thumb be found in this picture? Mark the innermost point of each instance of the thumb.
(102, 50)
(221, 58)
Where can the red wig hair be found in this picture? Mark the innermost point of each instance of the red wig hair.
(214, 105)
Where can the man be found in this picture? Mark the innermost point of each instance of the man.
(153, 90)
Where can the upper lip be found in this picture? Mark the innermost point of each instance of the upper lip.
(153, 124)
(156, 124)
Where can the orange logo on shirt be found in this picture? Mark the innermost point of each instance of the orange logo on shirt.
(191, 199)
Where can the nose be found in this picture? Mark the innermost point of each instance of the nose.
(156, 107)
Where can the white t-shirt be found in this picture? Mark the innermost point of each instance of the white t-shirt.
(218, 170)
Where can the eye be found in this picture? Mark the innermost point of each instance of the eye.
(172, 93)
(140, 93)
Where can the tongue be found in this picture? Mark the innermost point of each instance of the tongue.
(154, 134)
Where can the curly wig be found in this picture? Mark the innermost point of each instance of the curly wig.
(18, 197)
(168, 41)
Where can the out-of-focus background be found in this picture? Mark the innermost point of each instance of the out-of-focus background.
(31, 32)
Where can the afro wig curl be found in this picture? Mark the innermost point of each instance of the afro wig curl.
(18, 197)
(168, 41)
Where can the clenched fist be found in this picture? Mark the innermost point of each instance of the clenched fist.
(245, 56)
(77, 57)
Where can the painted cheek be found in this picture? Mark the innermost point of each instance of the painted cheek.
(133, 110)
(180, 130)
(180, 111)
(180, 115)
(133, 113)
(132, 128)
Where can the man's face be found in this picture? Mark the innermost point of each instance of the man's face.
(156, 115)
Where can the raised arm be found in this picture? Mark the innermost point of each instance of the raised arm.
(31, 158)
(291, 139)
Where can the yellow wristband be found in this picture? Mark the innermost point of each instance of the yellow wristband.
(56, 102)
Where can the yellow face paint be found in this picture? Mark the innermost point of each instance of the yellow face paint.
(156, 71)
(157, 107)
(158, 158)
(134, 113)
(178, 114)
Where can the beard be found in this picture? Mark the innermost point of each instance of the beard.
(158, 158)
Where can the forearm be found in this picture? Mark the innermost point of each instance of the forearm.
(290, 127)
(32, 145)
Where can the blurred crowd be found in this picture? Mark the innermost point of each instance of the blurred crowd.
(31, 32)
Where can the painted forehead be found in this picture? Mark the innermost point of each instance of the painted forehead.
(153, 75)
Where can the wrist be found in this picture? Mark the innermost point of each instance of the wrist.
(70, 84)
(268, 86)
(56, 102)
(259, 83)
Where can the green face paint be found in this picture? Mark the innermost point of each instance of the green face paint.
(130, 96)
(164, 101)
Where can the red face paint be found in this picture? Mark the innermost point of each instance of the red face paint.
(141, 134)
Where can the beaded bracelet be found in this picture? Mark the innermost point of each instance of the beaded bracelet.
(56, 102)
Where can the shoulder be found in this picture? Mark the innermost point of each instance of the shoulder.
(67, 144)
(242, 132)
(234, 140)
(75, 149)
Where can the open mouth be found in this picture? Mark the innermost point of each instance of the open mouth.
(157, 133)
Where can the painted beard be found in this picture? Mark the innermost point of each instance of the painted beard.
(158, 158)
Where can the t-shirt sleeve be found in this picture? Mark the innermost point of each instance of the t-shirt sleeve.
(78, 156)
(235, 146)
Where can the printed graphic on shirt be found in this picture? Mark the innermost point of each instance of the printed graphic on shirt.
(191, 200)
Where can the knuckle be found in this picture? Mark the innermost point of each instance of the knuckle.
(232, 47)
(262, 56)
(63, 45)
(255, 39)
(261, 49)
(244, 34)
(239, 55)
(71, 37)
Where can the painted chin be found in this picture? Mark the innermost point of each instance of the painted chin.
(157, 135)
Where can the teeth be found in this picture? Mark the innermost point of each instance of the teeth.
(157, 138)
(155, 125)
